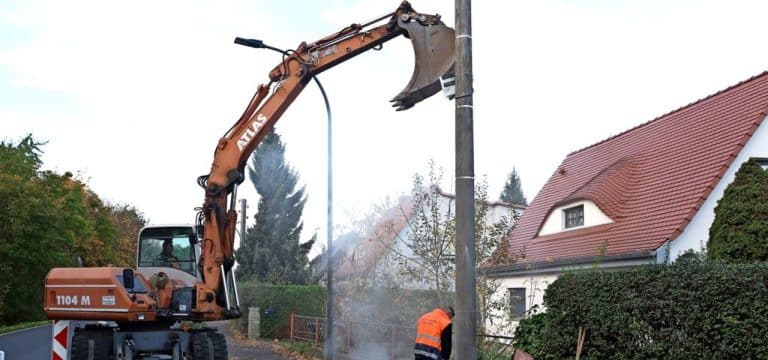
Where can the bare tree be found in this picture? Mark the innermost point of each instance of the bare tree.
(419, 235)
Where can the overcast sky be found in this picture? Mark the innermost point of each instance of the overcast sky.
(133, 96)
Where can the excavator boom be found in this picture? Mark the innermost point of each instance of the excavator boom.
(433, 44)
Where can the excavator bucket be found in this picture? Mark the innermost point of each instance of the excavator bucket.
(433, 48)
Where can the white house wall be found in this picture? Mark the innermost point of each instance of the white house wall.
(592, 216)
(536, 281)
(496, 212)
(534, 285)
(696, 234)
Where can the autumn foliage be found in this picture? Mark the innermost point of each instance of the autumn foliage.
(47, 220)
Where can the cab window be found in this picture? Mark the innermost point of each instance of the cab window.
(167, 250)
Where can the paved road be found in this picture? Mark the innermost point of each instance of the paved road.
(29, 344)
(246, 350)
(241, 348)
(35, 344)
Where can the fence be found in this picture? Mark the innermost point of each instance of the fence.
(307, 328)
(381, 341)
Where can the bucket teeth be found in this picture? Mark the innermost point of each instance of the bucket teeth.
(433, 48)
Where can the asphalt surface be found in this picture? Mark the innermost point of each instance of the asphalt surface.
(240, 348)
(28, 344)
(35, 344)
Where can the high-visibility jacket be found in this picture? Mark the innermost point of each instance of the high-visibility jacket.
(429, 335)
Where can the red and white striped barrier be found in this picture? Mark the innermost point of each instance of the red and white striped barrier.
(60, 339)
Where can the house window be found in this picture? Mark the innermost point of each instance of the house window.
(517, 302)
(574, 216)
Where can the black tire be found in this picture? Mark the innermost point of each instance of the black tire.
(202, 347)
(87, 346)
(219, 345)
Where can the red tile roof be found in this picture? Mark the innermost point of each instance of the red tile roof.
(650, 180)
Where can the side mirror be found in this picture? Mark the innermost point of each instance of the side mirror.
(128, 278)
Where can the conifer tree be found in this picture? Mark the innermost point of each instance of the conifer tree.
(270, 251)
(513, 191)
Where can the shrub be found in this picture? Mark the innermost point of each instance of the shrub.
(688, 310)
(739, 232)
(493, 349)
(529, 334)
(277, 302)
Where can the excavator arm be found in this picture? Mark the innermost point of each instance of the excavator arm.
(434, 52)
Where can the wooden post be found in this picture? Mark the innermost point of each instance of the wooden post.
(317, 329)
(292, 326)
(580, 342)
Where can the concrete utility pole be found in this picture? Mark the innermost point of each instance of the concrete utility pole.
(466, 297)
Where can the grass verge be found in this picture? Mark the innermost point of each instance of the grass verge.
(22, 326)
(303, 349)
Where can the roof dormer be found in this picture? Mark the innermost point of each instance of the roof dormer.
(572, 216)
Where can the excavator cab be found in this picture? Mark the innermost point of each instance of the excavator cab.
(171, 249)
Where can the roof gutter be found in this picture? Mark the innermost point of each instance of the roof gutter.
(558, 266)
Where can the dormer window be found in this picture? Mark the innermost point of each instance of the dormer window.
(574, 217)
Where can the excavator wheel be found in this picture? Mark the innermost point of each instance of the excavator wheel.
(89, 346)
(209, 345)
(219, 345)
(202, 347)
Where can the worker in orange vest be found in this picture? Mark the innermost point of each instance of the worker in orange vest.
(433, 335)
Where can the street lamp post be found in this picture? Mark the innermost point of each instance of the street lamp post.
(329, 346)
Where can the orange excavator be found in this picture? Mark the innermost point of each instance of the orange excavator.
(185, 273)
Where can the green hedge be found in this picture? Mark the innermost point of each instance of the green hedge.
(530, 334)
(277, 302)
(689, 310)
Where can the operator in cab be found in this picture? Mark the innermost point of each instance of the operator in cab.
(166, 256)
